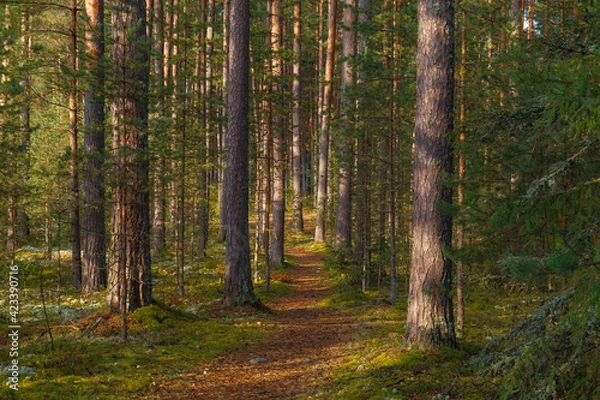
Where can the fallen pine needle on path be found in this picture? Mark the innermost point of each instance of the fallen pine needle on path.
(307, 345)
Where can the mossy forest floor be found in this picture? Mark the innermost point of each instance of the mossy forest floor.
(322, 339)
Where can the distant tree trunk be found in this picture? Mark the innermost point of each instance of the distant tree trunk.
(266, 195)
(222, 199)
(278, 129)
(362, 207)
(73, 135)
(391, 174)
(11, 240)
(94, 230)
(238, 288)
(203, 214)
(159, 237)
(325, 125)
(296, 128)
(430, 320)
(343, 232)
(129, 107)
(460, 229)
(18, 219)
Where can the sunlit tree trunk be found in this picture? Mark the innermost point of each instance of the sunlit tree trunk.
(94, 230)
(130, 261)
(238, 288)
(203, 208)
(296, 127)
(325, 125)
(278, 128)
(430, 319)
(343, 217)
(460, 229)
(159, 218)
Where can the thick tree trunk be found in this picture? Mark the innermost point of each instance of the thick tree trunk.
(430, 320)
(238, 288)
(129, 107)
(94, 229)
(325, 125)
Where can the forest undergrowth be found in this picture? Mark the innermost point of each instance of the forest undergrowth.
(69, 345)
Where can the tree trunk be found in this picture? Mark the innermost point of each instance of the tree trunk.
(94, 229)
(129, 107)
(325, 125)
(430, 320)
(74, 171)
(460, 229)
(222, 199)
(298, 222)
(343, 232)
(203, 214)
(238, 288)
(278, 129)
(159, 221)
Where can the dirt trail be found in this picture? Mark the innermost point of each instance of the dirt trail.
(309, 342)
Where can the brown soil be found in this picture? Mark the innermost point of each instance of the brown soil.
(308, 343)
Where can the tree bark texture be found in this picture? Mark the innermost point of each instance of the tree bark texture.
(238, 275)
(129, 107)
(278, 129)
(225, 83)
(430, 320)
(325, 124)
(159, 238)
(297, 216)
(94, 229)
(343, 232)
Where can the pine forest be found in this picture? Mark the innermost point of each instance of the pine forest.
(300, 199)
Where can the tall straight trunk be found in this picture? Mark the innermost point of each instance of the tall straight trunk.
(391, 173)
(319, 74)
(298, 221)
(180, 98)
(203, 214)
(267, 178)
(362, 207)
(343, 233)
(11, 229)
(129, 107)
(172, 90)
(94, 229)
(159, 221)
(278, 129)
(74, 165)
(430, 320)
(460, 229)
(18, 219)
(223, 139)
(238, 288)
(325, 125)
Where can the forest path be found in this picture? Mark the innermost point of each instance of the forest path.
(308, 343)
